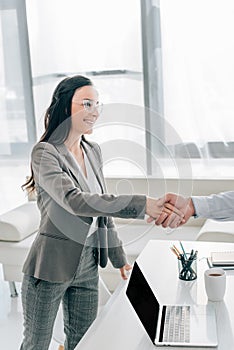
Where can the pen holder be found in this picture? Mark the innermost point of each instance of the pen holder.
(187, 266)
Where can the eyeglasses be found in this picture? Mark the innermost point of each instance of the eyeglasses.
(90, 105)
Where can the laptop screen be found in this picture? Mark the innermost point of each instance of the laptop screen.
(143, 301)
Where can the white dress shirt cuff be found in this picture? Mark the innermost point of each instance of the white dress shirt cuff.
(201, 206)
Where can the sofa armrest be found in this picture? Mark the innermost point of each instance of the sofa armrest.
(12, 257)
(19, 222)
(216, 231)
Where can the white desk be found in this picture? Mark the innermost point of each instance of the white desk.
(118, 327)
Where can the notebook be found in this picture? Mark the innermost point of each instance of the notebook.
(222, 258)
(224, 267)
(171, 325)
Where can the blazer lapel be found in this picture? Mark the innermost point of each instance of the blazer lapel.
(73, 167)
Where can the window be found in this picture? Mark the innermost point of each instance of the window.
(102, 40)
(164, 71)
(16, 106)
(198, 75)
(17, 124)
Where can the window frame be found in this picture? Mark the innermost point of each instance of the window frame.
(20, 149)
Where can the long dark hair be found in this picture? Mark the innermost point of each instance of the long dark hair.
(57, 119)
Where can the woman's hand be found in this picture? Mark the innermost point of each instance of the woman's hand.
(124, 271)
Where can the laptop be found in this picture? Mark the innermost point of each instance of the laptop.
(171, 325)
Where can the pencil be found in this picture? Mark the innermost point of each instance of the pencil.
(176, 249)
(183, 250)
(175, 252)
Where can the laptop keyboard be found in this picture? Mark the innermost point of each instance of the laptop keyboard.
(177, 324)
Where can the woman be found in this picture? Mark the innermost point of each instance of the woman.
(77, 231)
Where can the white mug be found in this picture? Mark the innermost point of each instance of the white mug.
(215, 283)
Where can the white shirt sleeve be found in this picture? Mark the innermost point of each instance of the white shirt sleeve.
(216, 206)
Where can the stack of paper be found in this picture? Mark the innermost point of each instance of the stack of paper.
(222, 258)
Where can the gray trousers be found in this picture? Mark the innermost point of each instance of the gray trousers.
(41, 301)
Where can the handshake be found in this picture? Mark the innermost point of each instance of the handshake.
(172, 210)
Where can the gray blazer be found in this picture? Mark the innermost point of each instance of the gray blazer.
(67, 209)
